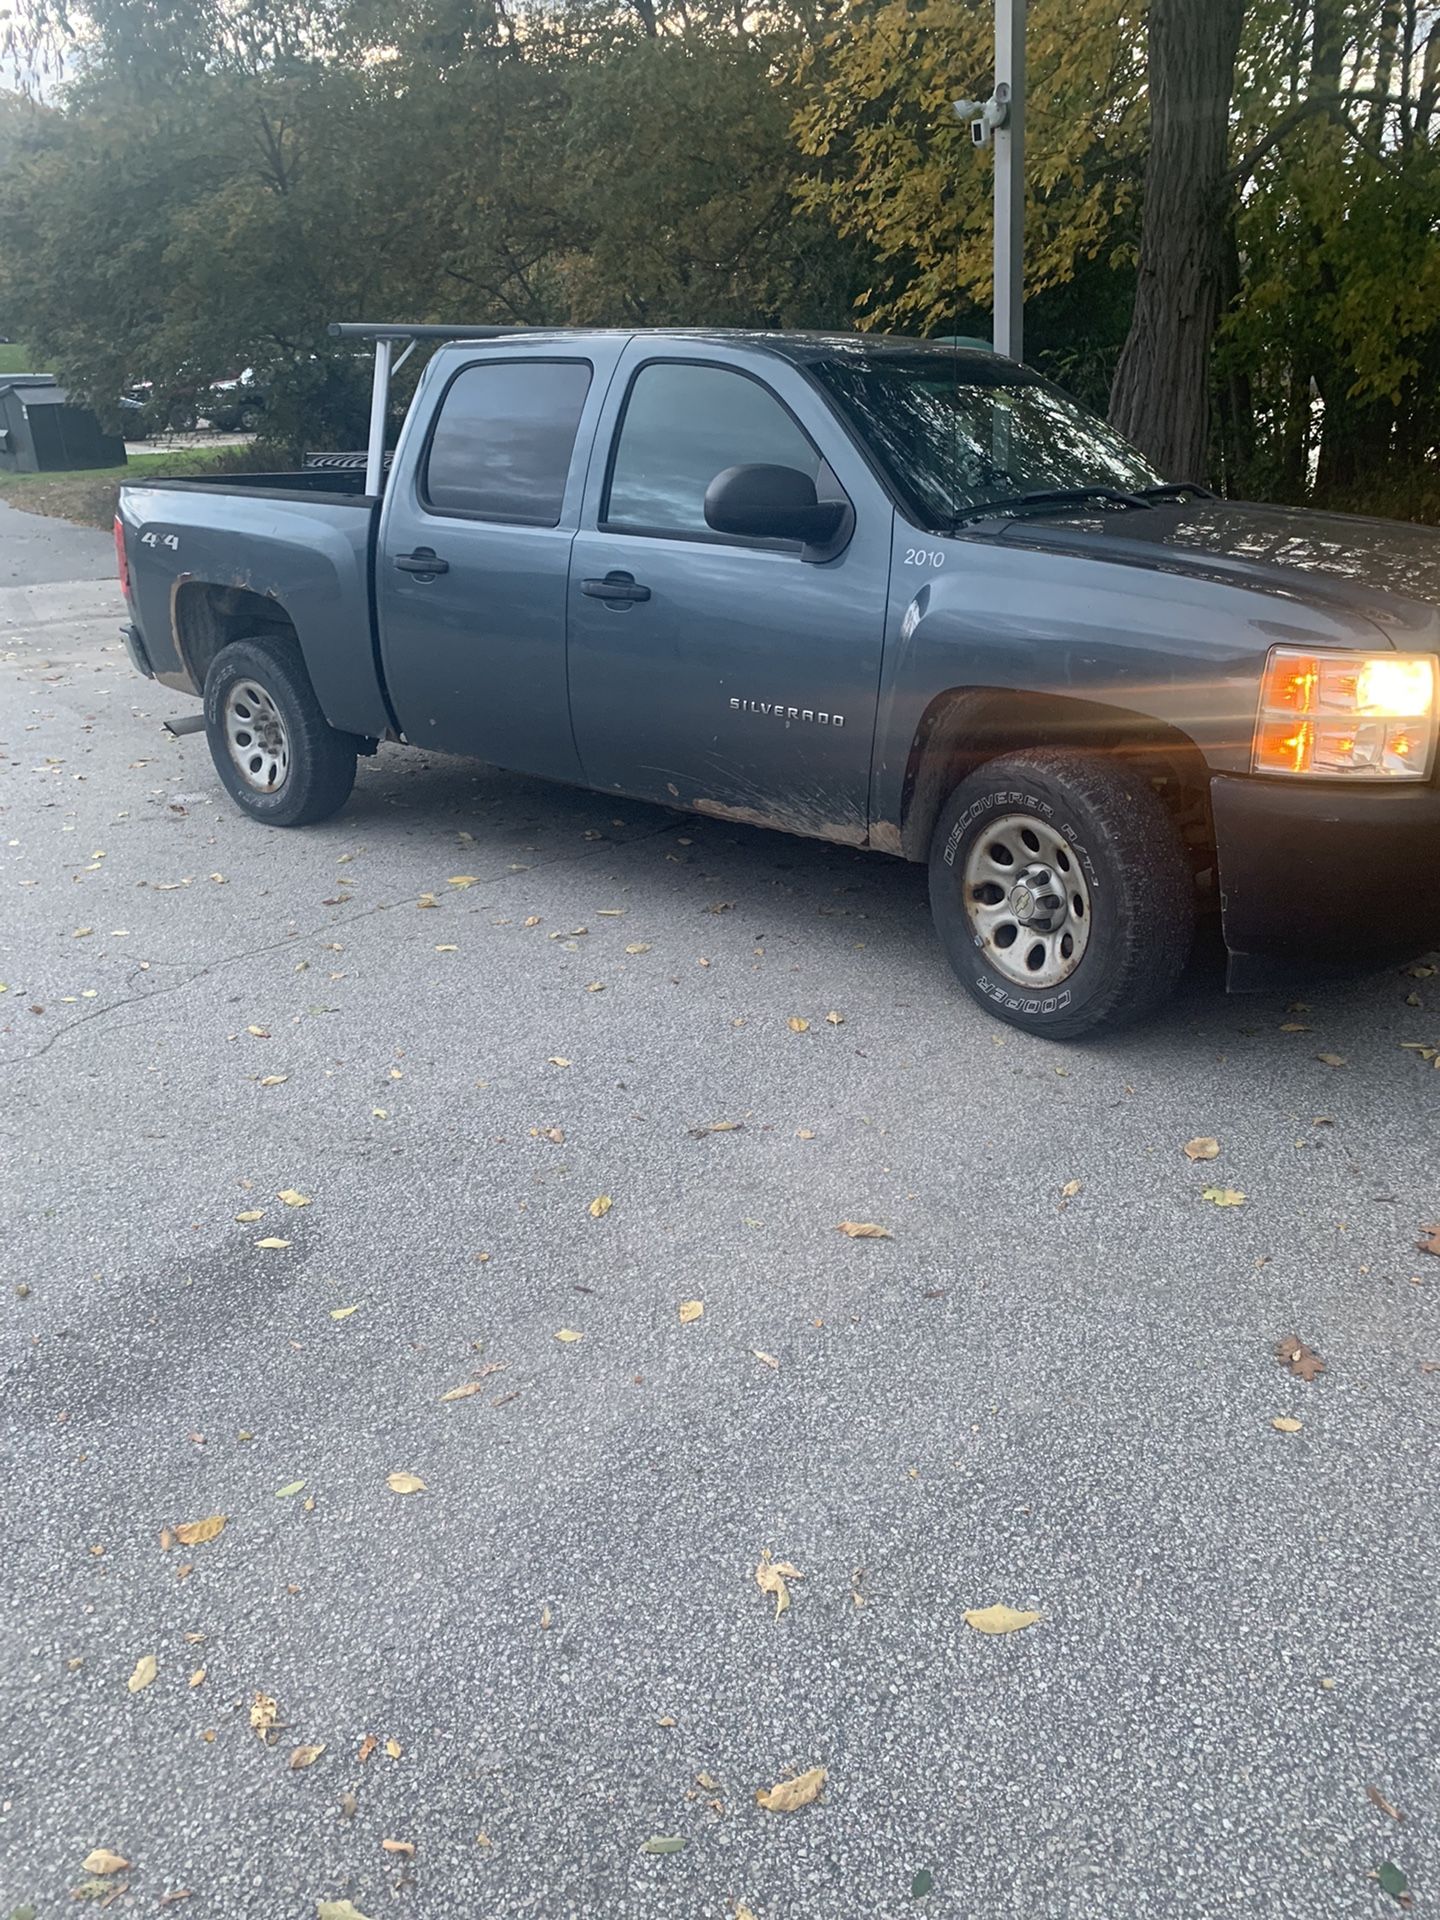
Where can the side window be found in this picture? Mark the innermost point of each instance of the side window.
(682, 425)
(502, 445)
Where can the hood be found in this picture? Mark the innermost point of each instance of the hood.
(1387, 570)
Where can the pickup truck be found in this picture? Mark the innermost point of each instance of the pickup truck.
(895, 594)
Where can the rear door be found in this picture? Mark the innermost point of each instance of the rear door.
(742, 680)
(473, 561)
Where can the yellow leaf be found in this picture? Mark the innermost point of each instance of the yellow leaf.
(447, 949)
(638, 946)
(344, 1313)
(194, 1533)
(691, 1310)
(1202, 1148)
(464, 1392)
(427, 900)
(337, 1910)
(248, 1219)
(394, 1749)
(305, 1757)
(1224, 1196)
(558, 1060)
(197, 1676)
(786, 1795)
(260, 1033)
(407, 1847)
(797, 1025)
(770, 1577)
(274, 1079)
(766, 1359)
(273, 1243)
(404, 1483)
(1070, 1189)
(462, 880)
(569, 1335)
(600, 1206)
(102, 1861)
(1331, 1059)
(834, 1019)
(82, 933)
(863, 1230)
(998, 1619)
(289, 1492)
(292, 1198)
(264, 1713)
(146, 1669)
(596, 986)
(1284, 1424)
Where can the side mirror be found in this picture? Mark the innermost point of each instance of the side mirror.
(773, 503)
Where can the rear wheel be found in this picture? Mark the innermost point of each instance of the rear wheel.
(277, 755)
(1061, 892)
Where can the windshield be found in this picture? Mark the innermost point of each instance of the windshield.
(955, 432)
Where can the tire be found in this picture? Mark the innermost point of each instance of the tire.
(295, 767)
(1102, 896)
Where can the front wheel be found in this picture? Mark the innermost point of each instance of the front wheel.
(277, 755)
(1061, 892)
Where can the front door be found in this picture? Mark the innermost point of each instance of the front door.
(474, 559)
(724, 674)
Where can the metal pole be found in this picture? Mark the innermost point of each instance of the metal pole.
(1010, 180)
(379, 399)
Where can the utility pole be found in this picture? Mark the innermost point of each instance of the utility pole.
(1000, 122)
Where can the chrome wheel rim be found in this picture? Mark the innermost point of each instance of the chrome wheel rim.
(1027, 900)
(255, 736)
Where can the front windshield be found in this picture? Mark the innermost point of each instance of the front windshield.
(954, 432)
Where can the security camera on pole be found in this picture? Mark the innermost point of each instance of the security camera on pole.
(1000, 122)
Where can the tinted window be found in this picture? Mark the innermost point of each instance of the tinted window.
(503, 442)
(682, 426)
(954, 432)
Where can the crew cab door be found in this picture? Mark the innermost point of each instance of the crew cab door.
(726, 674)
(473, 558)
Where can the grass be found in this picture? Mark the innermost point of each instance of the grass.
(89, 495)
(15, 359)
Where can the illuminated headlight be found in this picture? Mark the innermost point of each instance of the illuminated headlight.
(1347, 715)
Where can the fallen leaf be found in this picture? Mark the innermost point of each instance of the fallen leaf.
(273, 1244)
(427, 900)
(1283, 1423)
(264, 1713)
(260, 1033)
(249, 1219)
(367, 1747)
(691, 1310)
(285, 1493)
(569, 1335)
(463, 1393)
(1431, 1242)
(834, 1019)
(197, 1677)
(999, 1619)
(663, 1843)
(100, 1860)
(558, 1060)
(304, 1757)
(787, 1795)
(146, 1669)
(1070, 1189)
(716, 1126)
(1393, 1882)
(349, 1806)
(1302, 1361)
(462, 880)
(194, 1533)
(337, 1910)
(1295, 1026)
(274, 1079)
(1202, 1148)
(638, 946)
(407, 1847)
(766, 1359)
(863, 1230)
(446, 948)
(1224, 1196)
(344, 1313)
(1331, 1059)
(797, 1025)
(394, 1749)
(292, 1198)
(1374, 1795)
(600, 1206)
(771, 1576)
(404, 1483)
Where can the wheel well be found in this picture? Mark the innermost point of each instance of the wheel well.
(965, 727)
(208, 617)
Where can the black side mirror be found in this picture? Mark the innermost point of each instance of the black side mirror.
(772, 503)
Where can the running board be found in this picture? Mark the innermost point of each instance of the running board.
(188, 723)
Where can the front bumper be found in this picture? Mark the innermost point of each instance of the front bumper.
(135, 647)
(1316, 879)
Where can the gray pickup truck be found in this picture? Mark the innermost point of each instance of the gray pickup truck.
(875, 591)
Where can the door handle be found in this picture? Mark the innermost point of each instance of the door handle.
(615, 586)
(424, 560)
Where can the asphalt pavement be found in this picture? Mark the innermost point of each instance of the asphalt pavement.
(566, 1099)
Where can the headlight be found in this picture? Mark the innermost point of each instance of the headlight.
(1347, 715)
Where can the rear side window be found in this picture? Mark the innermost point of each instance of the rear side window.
(502, 444)
(683, 424)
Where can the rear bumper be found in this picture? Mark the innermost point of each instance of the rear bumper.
(135, 647)
(1317, 880)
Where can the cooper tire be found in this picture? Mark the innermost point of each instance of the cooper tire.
(1061, 893)
(277, 755)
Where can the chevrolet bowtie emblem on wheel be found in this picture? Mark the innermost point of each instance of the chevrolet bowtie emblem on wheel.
(777, 710)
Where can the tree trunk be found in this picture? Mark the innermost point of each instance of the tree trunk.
(1161, 396)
